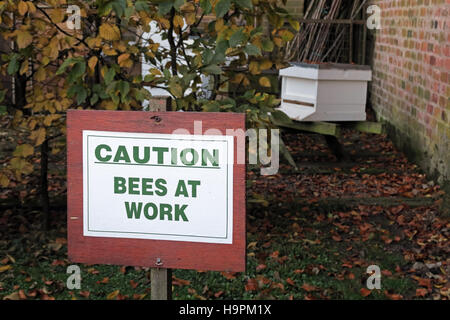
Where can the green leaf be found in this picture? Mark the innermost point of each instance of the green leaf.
(94, 99)
(237, 38)
(142, 6)
(267, 45)
(77, 72)
(252, 50)
(246, 4)
(3, 110)
(165, 7)
(213, 69)
(13, 66)
(222, 7)
(176, 90)
(281, 117)
(81, 94)
(67, 63)
(206, 6)
(109, 76)
(287, 155)
(177, 4)
(124, 89)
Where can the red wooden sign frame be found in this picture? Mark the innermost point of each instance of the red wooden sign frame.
(139, 252)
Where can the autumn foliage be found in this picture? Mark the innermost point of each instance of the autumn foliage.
(56, 65)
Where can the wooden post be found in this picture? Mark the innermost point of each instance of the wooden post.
(161, 284)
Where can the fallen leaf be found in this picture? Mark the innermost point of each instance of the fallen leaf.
(133, 284)
(229, 275)
(290, 281)
(180, 282)
(113, 295)
(308, 288)
(103, 281)
(365, 292)
(12, 296)
(5, 268)
(421, 292)
(260, 267)
(251, 285)
(22, 295)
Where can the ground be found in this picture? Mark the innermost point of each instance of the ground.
(311, 233)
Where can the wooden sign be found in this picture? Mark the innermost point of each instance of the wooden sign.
(141, 195)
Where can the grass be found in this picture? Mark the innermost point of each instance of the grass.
(284, 264)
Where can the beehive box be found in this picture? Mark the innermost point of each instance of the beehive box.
(325, 92)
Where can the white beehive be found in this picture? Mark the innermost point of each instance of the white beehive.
(325, 92)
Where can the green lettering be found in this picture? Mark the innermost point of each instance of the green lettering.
(174, 156)
(184, 159)
(160, 184)
(179, 212)
(133, 186)
(165, 210)
(133, 210)
(160, 152)
(214, 158)
(181, 189)
(194, 185)
(155, 211)
(122, 155)
(147, 187)
(120, 185)
(98, 153)
(146, 157)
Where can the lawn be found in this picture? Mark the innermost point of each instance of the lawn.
(311, 234)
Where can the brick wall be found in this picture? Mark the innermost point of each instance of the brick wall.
(411, 80)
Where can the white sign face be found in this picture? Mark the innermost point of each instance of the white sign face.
(158, 186)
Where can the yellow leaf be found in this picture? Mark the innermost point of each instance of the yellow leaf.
(266, 64)
(265, 82)
(164, 22)
(57, 15)
(21, 165)
(23, 8)
(40, 136)
(23, 150)
(108, 105)
(5, 268)
(109, 32)
(24, 68)
(92, 63)
(178, 21)
(4, 180)
(40, 74)
(122, 59)
(219, 25)
(239, 78)
(295, 24)
(24, 39)
(113, 295)
(50, 118)
(254, 68)
(12, 296)
(31, 7)
(155, 72)
(190, 18)
(109, 51)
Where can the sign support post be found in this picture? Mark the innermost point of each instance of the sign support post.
(161, 284)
